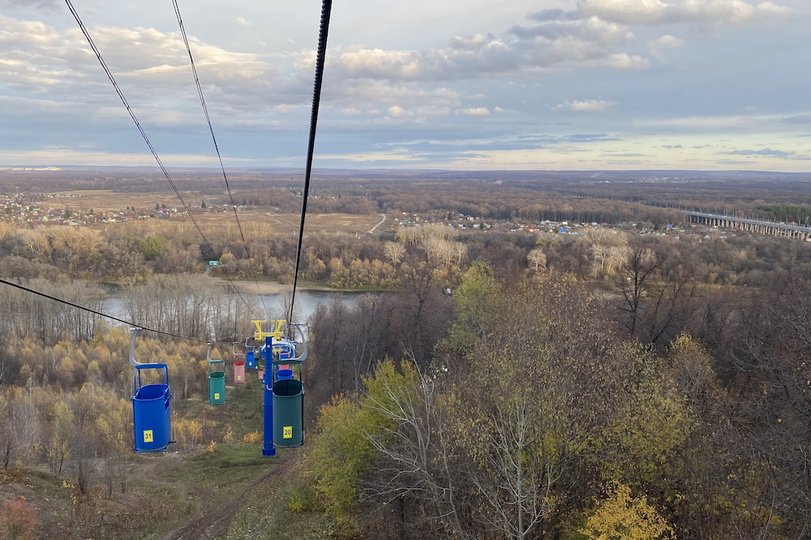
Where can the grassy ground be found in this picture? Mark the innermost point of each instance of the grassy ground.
(277, 223)
(284, 507)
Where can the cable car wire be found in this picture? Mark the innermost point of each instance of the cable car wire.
(99, 313)
(326, 8)
(214, 138)
(141, 130)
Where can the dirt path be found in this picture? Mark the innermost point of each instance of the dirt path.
(215, 521)
(379, 223)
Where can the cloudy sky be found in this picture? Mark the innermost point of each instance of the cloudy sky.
(514, 84)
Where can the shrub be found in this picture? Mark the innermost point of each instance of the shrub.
(252, 437)
(18, 519)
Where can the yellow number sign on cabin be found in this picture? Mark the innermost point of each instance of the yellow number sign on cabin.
(287, 432)
(216, 395)
(148, 437)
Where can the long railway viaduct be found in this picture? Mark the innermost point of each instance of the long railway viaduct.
(758, 226)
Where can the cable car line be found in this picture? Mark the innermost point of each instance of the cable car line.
(326, 8)
(99, 313)
(132, 113)
(214, 139)
(322, 43)
(141, 130)
(283, 391)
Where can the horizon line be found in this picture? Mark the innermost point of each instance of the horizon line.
(212, 168)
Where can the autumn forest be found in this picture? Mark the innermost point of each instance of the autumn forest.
(533, 355)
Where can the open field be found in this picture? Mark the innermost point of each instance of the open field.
(102, 200)
(272, 222)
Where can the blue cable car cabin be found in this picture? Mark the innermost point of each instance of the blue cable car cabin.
(151, 409)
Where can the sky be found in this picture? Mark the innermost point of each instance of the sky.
(422, 84)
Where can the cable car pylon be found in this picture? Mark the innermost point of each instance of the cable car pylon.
(283, 386)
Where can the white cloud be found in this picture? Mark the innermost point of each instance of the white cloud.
(379, 63)
(372, 96)
(669, 42)
(140, 52)
(417, 80)
(426, 111)
(39, 4)
(588, 29)
(626, 61)
(678, 11)
(468, 43)
(452, 63)
(475, 111)
(544, 43)
(73, 156)
(662, 43)
(51, 63)
(585, 105)
(769, 8)
(732, 121)
(396, 111)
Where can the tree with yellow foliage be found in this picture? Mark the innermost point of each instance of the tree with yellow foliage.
(621, 516)
(59, 444)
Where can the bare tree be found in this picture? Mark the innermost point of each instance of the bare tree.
(416, 457)
(500, 443)
(394, 251)
(520, 478)
(537, 258)
(25, 423)
(635, 275)
(657, 305)
(8, 438)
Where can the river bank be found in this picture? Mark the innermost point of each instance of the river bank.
(261, 287)
(246, 286)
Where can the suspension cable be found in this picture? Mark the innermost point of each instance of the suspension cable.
(326, 8)
(141, 130)
(95, 312)
(216, 145)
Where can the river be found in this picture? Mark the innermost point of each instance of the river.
(307, 303)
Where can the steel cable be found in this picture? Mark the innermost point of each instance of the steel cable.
(141, 130)
(326, 8)
(99, 313)
(214, 139)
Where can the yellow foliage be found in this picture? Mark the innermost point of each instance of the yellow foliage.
(58, 452)
(188, 433)
(623, 517)
(649, 431)
(339, 454)
(6, 230)
(212, 447)
(343, 450)
(195, 428)
(691, 367)
(252, 437)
